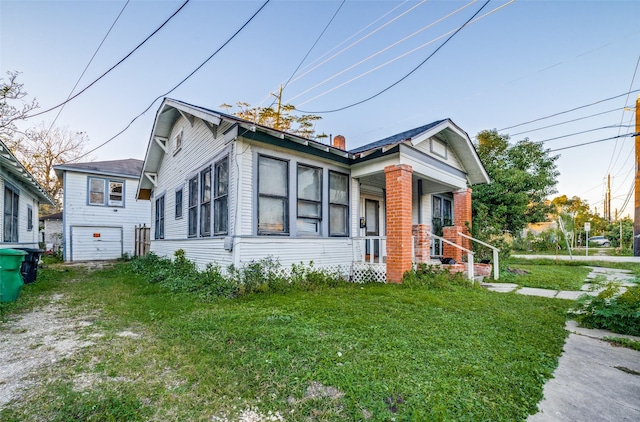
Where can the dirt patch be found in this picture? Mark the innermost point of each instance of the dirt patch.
(517, 271)
(34, 340)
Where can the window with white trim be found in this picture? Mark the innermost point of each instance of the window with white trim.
(309, 204)
(178, 203)
(11, 208)
(193, 207)
(105, 192)
(205, 202)
(273, 195)
(220, 197)
(178, 143)
(159, 220)
(338, 204)
(29, 218)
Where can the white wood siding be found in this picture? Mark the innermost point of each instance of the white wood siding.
(451, 159)
(77, 212)
(202, 251)
(320, 251)
(26, 238)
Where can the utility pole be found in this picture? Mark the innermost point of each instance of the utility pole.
(636, 212)
(279, 97)
(608, 216)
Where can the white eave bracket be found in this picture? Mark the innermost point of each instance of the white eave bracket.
(162, 142)
(153, 178)
(213, 128)
(187, 116)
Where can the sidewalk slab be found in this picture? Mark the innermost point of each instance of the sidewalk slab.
(569, 295)
(594, 381)
(531, 291)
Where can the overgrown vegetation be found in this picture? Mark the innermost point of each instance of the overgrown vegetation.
(435, 277)
(264, 275)
(552, 277)
(623, 341)
(350, 352)
(609, 310)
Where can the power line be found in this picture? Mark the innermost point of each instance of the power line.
(633, 78)
(405, 76)
(180, 83)
(86, 67)
(565, 122)
(314, 44)
(114, 66)
(568, 111)
(377, 53)
(626, 135)
(584, 131)
(367, 36)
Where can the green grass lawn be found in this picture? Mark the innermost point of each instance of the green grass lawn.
(368, 352)
(555, 277)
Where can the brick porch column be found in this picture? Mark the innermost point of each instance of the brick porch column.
(398, 217)
(462, 214)
(451, 234)
(422, 242)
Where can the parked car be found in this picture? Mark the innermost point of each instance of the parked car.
(600, 241)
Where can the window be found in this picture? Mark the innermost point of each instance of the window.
(205, 202)
(338, 204)
(11, 197)
(115, 193)
(441, 216)
(193, 207)
(98, 192)
(273, 196)
(220, 198)
(29, 218)
(159, 233)
(179, 204)
(309, 206)
(178, 143)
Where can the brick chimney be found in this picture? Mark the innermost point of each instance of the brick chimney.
(339, 141)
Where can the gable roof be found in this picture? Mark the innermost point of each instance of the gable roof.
(395, 139)
(13, 166)
(445, 130)
(54, 216)
(129, 167)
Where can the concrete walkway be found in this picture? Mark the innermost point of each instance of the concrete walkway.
(594, 380)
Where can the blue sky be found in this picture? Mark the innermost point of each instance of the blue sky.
(526, 60)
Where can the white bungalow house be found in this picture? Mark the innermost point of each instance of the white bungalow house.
(227, 191)
(100, 210)
(20, 200)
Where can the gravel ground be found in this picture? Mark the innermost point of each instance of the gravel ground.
(32, 341)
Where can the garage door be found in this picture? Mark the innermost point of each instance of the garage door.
(90, 243)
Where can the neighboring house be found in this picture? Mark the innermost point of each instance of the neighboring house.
(228, 191)
(100, 210)
(21, 197)
(51, 231)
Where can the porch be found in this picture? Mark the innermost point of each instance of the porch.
(370, 256)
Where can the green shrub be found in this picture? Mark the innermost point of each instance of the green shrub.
(435, 277)
(610, 311)
(256, 276)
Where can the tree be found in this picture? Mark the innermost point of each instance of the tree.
(522, 176)
(39, 149)
(280, 118)
(13, 105)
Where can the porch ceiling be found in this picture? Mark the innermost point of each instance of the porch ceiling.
(429, 186)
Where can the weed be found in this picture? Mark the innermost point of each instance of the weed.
(609, 310)
(435, 277)
(623, 341)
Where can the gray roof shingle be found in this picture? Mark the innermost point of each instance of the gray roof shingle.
(397, 138)
(128, 167)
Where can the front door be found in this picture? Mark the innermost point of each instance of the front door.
(372, 225)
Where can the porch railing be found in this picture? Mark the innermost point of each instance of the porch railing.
(370, 249)
(496, 269)
(470, 254)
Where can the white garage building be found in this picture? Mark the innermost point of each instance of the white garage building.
(100, 210)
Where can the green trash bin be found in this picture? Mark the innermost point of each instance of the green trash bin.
(10, 276)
